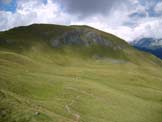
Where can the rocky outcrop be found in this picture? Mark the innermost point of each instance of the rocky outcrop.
(82, 38)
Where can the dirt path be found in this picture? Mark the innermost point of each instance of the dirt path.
(76, 115)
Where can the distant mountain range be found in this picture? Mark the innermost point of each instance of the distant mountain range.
(150, 45)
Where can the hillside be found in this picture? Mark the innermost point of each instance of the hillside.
(151, 45)
(53, 73)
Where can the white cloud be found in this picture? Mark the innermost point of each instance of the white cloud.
(33, 12)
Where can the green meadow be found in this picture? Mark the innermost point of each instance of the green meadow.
(40, 83)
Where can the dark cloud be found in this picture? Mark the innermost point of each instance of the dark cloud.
(90, 7)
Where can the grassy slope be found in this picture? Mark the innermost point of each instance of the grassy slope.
(64, 85)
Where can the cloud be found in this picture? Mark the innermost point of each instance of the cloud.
(158, 8)
(139, 11)
(33, 12)
(90, 7)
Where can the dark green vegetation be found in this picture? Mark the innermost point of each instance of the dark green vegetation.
(51, 73)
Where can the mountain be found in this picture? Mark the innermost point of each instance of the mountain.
(53, 73)
(150, 45)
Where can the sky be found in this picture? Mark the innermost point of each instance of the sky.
(128, 19)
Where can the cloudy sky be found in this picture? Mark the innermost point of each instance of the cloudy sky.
(128, 19)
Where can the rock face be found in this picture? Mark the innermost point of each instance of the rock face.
(82, 38)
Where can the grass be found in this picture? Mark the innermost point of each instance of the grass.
(42, 84)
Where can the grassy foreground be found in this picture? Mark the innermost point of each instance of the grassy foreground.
(42, 84)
